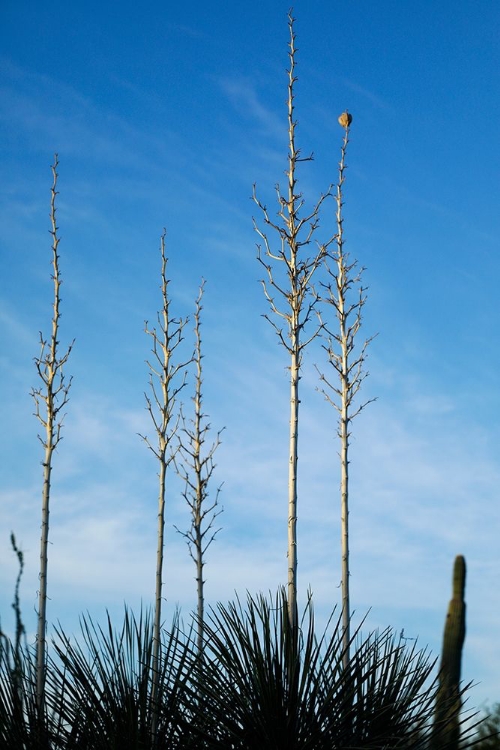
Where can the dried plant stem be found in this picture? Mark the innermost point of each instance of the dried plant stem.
(196, 470)
(166, 381)
(291, 280)
(53, 396)
(348, 366)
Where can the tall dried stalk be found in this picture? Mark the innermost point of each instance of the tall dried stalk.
(52, 396)
(291, 279)
(196, 470)
(347, 363)
(166, 381)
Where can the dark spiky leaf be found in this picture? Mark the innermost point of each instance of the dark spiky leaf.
(22, 725)
(266, 684)
(107, 681)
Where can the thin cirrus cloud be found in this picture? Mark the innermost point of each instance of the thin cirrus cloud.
(136, 157)
(55, 116)
(243, 96)
(412, 507)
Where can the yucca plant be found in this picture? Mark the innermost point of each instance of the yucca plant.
(23, 726)
(15, 713)
(12, 663)
(107, 686)
(269, 685)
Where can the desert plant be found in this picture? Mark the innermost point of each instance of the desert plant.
(52, 396)
(345, 359)
(23, 725)
(289, 275)
(270, 685)
(21, 722)
(449, 695)
(488, 731)
(167, 378)
(107, 685)
(196, 469)
(14, 652)
(12, 666)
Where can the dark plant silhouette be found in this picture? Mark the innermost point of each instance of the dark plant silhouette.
(449, 697)
(267, 684)
(488, 731)
(109, 696)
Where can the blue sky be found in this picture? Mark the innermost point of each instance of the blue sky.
(165, 117)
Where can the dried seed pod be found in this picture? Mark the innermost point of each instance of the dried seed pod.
(345, 119)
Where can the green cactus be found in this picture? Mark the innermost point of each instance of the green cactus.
(446, 733)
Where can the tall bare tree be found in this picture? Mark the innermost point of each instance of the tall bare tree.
(289, 275)
(167, 378)
(196, 470)
(50, 399)
(346, 361)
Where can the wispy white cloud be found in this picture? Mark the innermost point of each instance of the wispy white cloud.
(424, 473)
(243, 95)
(15, 328)
(365, 93)
(423, 489)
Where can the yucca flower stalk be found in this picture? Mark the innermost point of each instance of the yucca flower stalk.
(346, 359)
(290, 273)
(49, 399)
(196, 468)
(167, 379)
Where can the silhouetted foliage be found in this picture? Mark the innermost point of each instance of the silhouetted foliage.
(488, 732)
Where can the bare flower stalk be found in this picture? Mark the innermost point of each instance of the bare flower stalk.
(166, 381)
(347, 363)
(196, 470)
(291, 279)
(51, 397)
